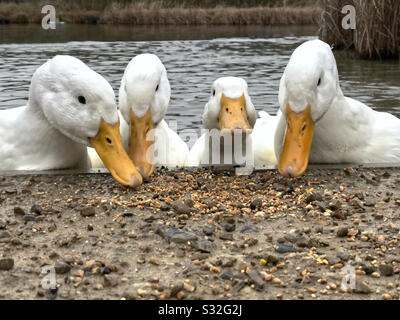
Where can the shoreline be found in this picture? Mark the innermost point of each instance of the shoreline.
(153, 14)
(202, 235)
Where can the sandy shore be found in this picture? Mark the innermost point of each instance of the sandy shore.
(202, 235)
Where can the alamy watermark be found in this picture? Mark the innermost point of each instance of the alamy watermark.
(49, 20)
(49, 281)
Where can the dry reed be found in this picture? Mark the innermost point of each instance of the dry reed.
(377, 33)
(160, 13)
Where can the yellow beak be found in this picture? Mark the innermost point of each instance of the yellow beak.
(233, 115)
(108, 145)
(295, 155)
(141, 142)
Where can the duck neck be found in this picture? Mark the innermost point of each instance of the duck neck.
(48, 147)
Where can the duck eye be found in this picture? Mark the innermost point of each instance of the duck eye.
(157, 87)
(319, 82)
(82, 99)
(213, 93)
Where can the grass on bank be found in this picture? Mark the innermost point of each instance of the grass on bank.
(167, 12)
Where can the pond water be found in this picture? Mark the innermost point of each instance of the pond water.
(194, 58)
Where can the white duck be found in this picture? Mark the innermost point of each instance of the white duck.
(324, 126)
(230, 114)
(70, 107)
(144, 96)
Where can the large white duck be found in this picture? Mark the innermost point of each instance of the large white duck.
(324, 126)
(230, 114)
(144, 96)
(70, 107)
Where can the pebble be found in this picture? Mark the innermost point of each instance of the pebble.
(110, 280)
(362, 287)
(19, 211)
(227, 275)
(256, 204)
(29, 218)
(164, 207)
(2, 224)
(285, 249)
(62, 268)
(88, 211)
(386, 270)
(208, 230)
(175, 235)
(255, 276)
(36, 209)
(181, 208)
(6, 264)
(342, 232)
(229, 227)
(226, 236)
(387, 296)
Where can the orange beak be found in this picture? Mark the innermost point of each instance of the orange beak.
(297, 144)
(141, 149)
(233, 115)
(108, 145)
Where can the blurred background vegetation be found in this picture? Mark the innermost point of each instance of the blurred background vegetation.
(102, 4)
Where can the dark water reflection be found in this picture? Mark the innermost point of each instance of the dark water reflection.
(194, 58)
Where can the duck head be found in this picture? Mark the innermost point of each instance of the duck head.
(80, 104)
(229, 107)
(307, 89)
(144, 97)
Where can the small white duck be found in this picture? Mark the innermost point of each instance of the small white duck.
(144, 96)
(229, 119)
(70, 107)
(324, 126)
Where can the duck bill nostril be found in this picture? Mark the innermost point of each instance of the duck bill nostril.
(115, 157)
(233, 114)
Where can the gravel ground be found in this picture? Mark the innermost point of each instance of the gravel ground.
(202, 235)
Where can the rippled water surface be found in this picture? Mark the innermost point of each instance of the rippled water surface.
(194, 58)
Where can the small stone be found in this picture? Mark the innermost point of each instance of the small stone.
(387, 296)
(303, 242)
(110, 280)
(342, 232)
(2, 224)
(180, 295)
(188, 287)
(164, 207)
(62, 268)
(181, 208)
(375, 275)
(226, 236)
(19, 211)
(5, 235)
(29, 218)
(154, 260)
(386, 270)
(227, 275)
(175, 235)
(257, 203)
(208, 230)
(229, 227)
(36, 209)
(6, 264)
(362, 287)
(285, 249)
(255, 276)
(88, 211)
